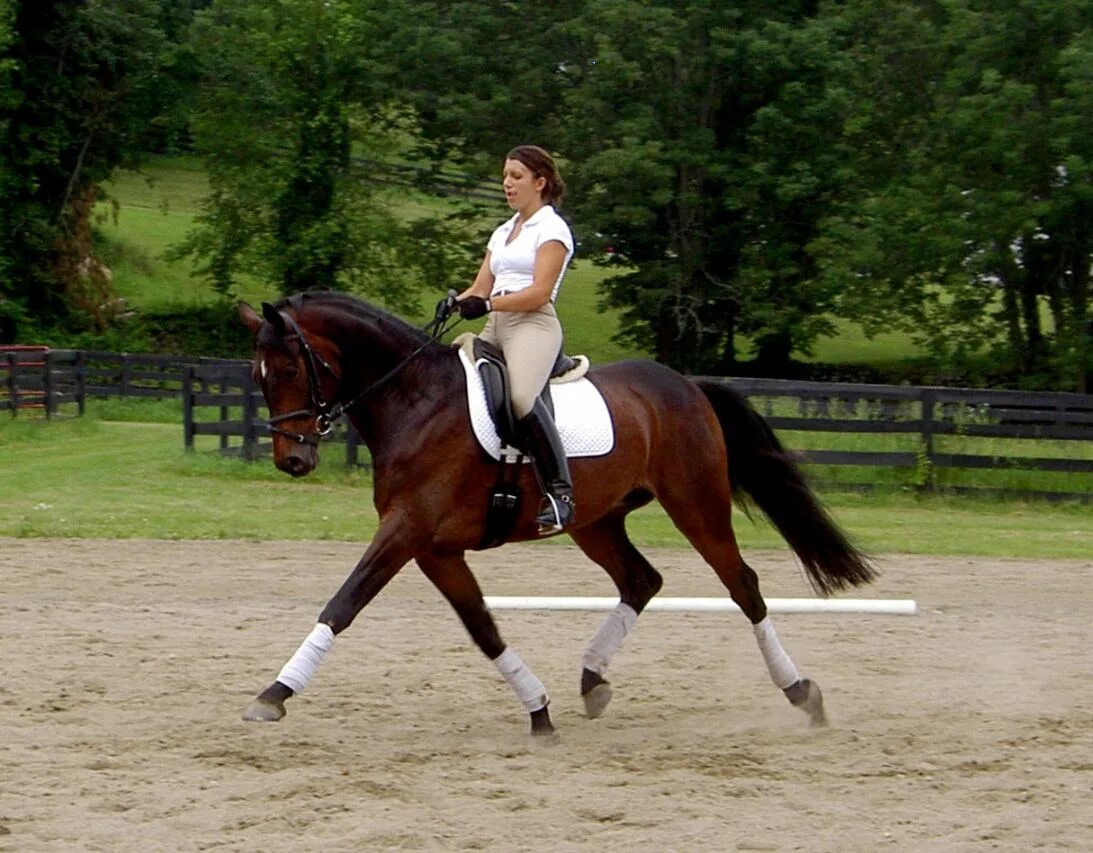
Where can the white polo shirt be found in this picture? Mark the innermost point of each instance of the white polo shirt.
(513, 265)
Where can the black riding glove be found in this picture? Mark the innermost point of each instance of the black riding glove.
(473, 307)
(445, 307)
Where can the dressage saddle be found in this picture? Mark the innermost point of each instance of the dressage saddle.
(489, 361)
(505, 498)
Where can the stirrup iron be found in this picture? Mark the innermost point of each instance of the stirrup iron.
(554, 514)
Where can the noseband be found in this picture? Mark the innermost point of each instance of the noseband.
(324, 413)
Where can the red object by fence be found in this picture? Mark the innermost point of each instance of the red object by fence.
(30, 361)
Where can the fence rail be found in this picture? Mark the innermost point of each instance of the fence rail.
(239, 411)
(41, 381)
(932, 430)
(944, 429)
(134, 375)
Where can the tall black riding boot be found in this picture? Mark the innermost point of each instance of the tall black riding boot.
(545, 447)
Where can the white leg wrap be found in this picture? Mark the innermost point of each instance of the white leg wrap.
(782, 671)
(602, 647)
(522, 680)
(302, 665)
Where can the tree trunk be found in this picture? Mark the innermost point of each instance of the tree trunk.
(773, 356)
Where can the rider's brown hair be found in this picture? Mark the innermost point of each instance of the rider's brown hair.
(542, 165)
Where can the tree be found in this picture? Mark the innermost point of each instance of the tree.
(654, 108)
(700, 136)
(757, 170)
(293, 120)
(979, 217)
(480, 75)
(82, 84)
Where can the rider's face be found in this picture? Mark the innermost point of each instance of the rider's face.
(523, 188)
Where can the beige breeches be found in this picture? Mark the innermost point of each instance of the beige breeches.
(531, 342)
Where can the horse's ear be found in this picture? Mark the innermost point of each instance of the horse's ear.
(249, 317)
(274, 317)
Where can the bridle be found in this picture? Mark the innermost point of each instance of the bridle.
(325, 413)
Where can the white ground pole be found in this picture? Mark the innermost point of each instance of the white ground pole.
(881, 606)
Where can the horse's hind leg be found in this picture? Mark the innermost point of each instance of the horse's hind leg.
(709, 529)
(606, 543)
(452, 576)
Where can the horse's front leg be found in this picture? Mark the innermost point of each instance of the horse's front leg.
(452, 576)
(388, 553)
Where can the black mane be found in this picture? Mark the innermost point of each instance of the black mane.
(355, 307)
(372, 325)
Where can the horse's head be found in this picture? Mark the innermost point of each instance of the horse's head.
(296, 370)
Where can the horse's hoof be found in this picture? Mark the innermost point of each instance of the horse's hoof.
(264, 711)
(806, 695)
(546, 739)
(596, 700)
(541, 726)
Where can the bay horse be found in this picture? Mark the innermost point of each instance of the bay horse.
(690, 444)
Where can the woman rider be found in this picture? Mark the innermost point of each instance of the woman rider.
(519, 279)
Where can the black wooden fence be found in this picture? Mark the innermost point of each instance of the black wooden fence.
(927, 430)
(940, 429)
(222, 399)
(41, 381)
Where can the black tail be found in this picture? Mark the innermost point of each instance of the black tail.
(762, 469)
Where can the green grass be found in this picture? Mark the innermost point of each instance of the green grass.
(155, 209)
(850, 346)
(158, 206)
(98, 478)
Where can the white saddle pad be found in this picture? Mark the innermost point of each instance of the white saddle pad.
(582, 417)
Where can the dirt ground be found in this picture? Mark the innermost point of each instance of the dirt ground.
(127, 665)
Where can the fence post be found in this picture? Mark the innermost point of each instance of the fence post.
(250, 415)
(13, 384)
(188, 407)
(126, 369)
(81, 383)
(47, 384)
(225, 414)
(928, 405)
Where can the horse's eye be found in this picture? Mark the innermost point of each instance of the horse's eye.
(290, 372)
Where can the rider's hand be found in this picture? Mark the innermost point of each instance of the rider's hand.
(473, 307)
(445, 307)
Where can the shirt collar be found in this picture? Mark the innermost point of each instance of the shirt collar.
(535, 218)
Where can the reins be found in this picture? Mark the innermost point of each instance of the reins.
(326, 414)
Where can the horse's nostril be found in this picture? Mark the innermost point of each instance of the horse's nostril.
(293, 465)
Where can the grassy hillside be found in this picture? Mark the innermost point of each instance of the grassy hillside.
(156, 208)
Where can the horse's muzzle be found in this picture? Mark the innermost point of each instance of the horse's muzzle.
(299, 462)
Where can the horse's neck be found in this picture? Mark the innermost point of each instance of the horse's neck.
(370, 352)
(411, 382)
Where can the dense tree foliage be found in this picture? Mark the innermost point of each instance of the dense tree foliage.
(701, 135)
(84, 85)
(758, 169)
(748, 171)
(971, 226)
(294, 111)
